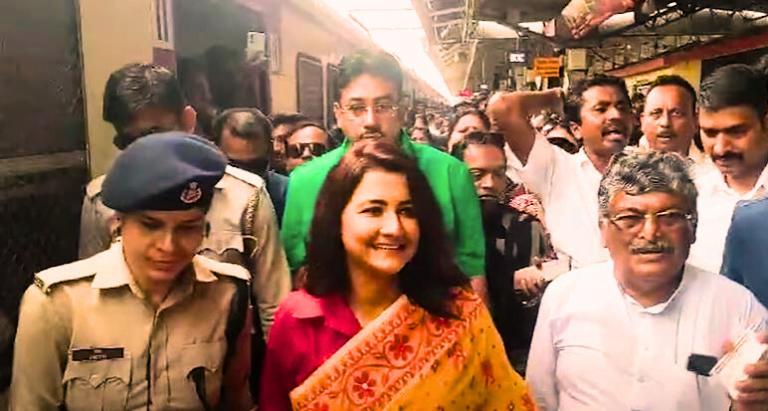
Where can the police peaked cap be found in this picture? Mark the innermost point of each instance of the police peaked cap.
(164, 172)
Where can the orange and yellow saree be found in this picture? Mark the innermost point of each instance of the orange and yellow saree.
(409, 359)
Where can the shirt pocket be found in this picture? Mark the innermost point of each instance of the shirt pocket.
(199, 376)
(97, 385)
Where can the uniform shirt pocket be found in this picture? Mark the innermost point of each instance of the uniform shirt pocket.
(97, 385)
(199, 377)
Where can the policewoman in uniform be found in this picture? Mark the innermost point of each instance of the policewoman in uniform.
(147, 324)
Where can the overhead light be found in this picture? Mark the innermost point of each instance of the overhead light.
(673, 4)
(394, 25)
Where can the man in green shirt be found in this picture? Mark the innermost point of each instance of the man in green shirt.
(369, 92)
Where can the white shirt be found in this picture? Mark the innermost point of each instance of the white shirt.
(595, 348)
(716, 203)
(567, 184)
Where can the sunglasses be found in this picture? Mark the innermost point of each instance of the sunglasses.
(296, 150)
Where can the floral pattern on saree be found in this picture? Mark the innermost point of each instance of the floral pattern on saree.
(385, 361)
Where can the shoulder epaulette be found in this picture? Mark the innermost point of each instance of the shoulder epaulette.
(230, 270)
(78, 270)
(94, 187)
(245, 176)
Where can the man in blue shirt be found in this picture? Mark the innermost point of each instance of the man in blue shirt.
(745, 259)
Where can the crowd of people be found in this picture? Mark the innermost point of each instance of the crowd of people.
(513, 252)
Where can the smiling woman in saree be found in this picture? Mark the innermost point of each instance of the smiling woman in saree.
(386, 318)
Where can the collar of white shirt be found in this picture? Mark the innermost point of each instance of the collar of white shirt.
(584, 162)
(660, 307)
(713, 184)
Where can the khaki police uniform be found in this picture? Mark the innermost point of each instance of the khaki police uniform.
(89, 340)
(243, 231)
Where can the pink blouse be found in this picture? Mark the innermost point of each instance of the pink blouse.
(307, 331)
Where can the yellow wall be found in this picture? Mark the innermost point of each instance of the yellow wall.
(304, 28)
(689, 70)
(113, 33)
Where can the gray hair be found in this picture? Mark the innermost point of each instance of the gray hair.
(648, 172)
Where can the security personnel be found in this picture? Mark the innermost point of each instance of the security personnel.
(147, 324)
(141, 99)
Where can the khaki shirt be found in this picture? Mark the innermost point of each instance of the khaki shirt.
(243, 231)
(147, 356)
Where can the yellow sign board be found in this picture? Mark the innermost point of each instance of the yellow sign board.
(547, 66)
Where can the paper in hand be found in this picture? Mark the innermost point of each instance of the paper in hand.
(730, 368)
(549, 269)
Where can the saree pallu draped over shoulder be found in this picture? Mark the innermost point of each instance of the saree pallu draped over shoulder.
(409, 359)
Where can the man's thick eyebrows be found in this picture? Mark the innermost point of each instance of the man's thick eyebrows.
(729, 129)
(601, 103)
(358, 99)
(388, 98)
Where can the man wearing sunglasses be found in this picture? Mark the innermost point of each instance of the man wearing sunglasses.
(370, 85)
(633, 332)
(307, 142)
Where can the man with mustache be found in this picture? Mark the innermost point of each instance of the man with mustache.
(567, 184)
(734, 130)
(669, 117)
(370, 85)
(619, 335)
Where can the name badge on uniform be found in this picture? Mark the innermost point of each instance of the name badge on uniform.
(97, 354)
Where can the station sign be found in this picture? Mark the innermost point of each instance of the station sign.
(518, 57)
(547, 66)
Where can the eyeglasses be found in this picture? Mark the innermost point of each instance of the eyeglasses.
(666, 220)
(379, 110)
(297, 150)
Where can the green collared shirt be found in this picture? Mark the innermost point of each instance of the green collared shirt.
(451, 183)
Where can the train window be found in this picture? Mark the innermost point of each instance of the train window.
(163, 30)
(332, 85)
(309, 80)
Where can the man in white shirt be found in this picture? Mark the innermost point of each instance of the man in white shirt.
(618, 335)
(669, 118)
(734, 131)
(566, 183)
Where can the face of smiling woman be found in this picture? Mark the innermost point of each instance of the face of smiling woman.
(378, 226)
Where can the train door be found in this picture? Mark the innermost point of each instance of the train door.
(215, 37)
(43, 166)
